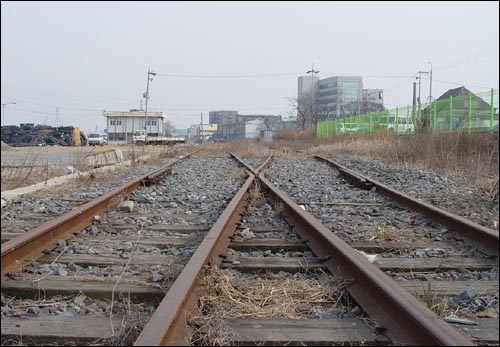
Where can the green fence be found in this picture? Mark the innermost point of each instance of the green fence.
(470, 113)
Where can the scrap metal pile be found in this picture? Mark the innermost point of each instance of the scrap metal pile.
(42, 135)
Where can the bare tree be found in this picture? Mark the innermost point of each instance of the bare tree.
(270, 122)
(169, 127)
(305, 109)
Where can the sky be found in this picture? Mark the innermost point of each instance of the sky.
(63, 63)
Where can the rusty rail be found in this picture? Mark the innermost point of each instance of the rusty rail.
(168, 326)
(256, 171)
(405, 318)
(478, 234)
(31, 244)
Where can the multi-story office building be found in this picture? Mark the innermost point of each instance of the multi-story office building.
(338, 96)
(222, 117)
(305, 83)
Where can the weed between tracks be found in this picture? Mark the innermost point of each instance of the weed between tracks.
(230, 295)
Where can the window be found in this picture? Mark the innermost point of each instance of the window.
(350, 92)
(115, 122)
(352, 84)
(151, 122)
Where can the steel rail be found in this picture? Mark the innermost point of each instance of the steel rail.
(403, 317)
(30, 245)
(478, 234)
(168, 326)
(256, 171)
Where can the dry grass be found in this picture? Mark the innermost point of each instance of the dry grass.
(127, 332)
(33, 169)
(436, 303)
(470, 159)
(227, 296)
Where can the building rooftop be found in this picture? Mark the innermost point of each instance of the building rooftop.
(131, 114)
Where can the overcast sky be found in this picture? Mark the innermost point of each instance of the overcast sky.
(85, 57)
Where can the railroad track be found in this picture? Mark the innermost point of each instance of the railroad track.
(270, 235)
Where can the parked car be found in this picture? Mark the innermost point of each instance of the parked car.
(403, 125)
(343, 128)
(97, 139)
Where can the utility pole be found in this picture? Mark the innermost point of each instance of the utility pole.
(419, 78)
(414, 100)
(430, 87)
(3, 110)
(429, 73)
(146, 96)
(57, 118)
(312, 72)
(201, 129)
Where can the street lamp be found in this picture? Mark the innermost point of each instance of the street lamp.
(312, 72)
(3, 110)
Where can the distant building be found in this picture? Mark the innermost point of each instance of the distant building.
(249, 129)
(222, 117)
(338, 96)
(181, 133)
(372, 101)
(233, 126)
(207, 131)
(480, 110)
(305, 83)
(122, 125)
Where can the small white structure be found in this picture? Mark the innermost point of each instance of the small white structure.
(267, 135)
(250, 129)
(122, 125)
(196, 131)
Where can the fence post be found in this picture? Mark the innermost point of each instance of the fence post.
(397, 121)
(387, 121)
(492, 111)
(451, 114)
(419, 115)
(434, 114)
(469, 114)
(407, 119)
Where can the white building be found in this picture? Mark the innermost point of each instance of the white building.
(196, 131)
(122, 125)
(250, 129)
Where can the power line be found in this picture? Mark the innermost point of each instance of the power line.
(78, 98)
(369, 76)
(399, 85)
(53, 106)
(462, 84)
(284, 74)
(470, 58)
(52, 114)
